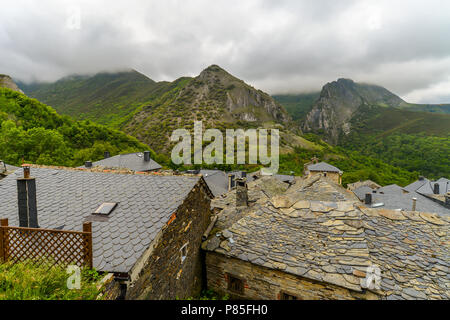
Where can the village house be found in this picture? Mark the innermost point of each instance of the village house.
(138, 162)
(324, 169)
(313, 239)
(146, 228)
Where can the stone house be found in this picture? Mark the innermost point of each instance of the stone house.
(322, 168)
(148, 237)
(315, 240)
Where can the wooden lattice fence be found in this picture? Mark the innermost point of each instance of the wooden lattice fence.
(58, 246)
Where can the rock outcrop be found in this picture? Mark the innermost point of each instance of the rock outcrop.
(7, 82)
(338, 102)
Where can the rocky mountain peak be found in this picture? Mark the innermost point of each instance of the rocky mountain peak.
(7, 82)
(338, 102)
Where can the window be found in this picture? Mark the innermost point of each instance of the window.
(183, 251)
(106, 208)
(288, 296)
(235, 284)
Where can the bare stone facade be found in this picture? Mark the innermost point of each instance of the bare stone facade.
(173, 268)
(333, 176)
(269, 284)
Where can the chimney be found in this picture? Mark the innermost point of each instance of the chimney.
(106, 155)
(26, 196)
(241, 193)
(421, 178)
(414, 204)
(88, 164)
(231, 182)
(436, 188)
(368, 199)
(146, 156)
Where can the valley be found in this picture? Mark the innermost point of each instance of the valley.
(360, 127)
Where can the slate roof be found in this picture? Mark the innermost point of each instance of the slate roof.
(335, 241)
(395, 197)
(361, 192)
(428, 187)
(67, 197)
(416, 184)
(216, 180)
(9, 168)
(132, 161)
(323, 166)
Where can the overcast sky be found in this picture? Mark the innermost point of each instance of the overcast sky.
(276, 46)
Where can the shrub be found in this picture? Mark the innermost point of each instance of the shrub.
(31, 281)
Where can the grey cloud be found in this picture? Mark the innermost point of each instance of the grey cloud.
(277, 46)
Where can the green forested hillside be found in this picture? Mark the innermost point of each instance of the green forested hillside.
(355, 165)
(416, 141)
(104, 98)
(215, 97)
(434, 108)
(298, 105)
(33, 132)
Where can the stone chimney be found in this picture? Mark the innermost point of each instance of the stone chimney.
(241, 193)
(414, 204)
(106, 155)
(146, 156)
(231, 182)
(26, 196)
(368, 198)
(436, 188)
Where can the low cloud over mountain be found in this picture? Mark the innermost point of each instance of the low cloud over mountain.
(282, 46)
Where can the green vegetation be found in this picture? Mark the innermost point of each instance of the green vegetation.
(434, 108)
(106, 98)
(428, 155)
(33, 132)
(209, 295)
(415, 141)
(356, 166)
(297, 105)
(30, 281)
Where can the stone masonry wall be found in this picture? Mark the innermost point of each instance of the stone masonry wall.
(266, 284)
(166, 276)
(333, 176)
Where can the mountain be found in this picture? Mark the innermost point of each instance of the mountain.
(7, 82)
(219, 99)
(337, 103)
(297, 105)
(344, 104)
(215, 97)
(374, 122)
(33, 132)
(103, 97)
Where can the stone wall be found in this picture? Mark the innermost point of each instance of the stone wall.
(333, 176)
(266, 284)
(165, 275)
(110, 288)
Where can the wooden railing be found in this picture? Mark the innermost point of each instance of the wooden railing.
(58, 246)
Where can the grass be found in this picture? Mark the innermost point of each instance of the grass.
(31, 281)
